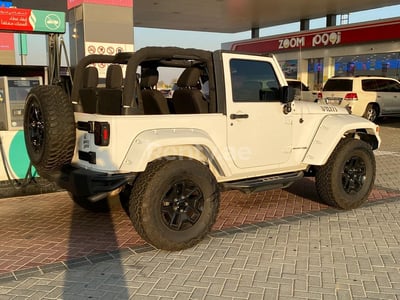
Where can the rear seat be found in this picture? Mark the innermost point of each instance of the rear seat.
(88, 93)
(109, 100)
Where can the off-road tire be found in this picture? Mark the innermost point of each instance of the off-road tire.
(168, 192)
(371, 112)
(100, 206)
(347, 178)
(49, 129)
(124, 196)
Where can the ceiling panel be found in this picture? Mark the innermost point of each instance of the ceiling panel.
(225, 15)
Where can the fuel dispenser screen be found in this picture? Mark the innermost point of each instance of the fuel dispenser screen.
(13, 92)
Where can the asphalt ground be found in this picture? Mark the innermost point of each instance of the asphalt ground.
(280, 244)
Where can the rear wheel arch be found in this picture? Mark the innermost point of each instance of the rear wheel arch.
(201, 153)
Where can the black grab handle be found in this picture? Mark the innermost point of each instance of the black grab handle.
(239, 116)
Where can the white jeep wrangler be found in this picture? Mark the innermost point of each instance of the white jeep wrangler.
(169, 159)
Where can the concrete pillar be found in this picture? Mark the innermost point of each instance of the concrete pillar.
(100, 29)
(302, 71)
(330, 20)
(304, 24)
(255, 32)
(329, 68)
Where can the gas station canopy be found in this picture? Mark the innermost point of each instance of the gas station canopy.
(227, 16)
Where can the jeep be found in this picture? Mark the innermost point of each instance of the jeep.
(169, 159)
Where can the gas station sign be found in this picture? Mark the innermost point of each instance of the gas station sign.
(31, 20)
(340, 35)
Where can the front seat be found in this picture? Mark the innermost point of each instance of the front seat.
(188, 99)
(154, 103)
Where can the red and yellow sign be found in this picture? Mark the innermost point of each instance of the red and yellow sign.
(30, 20)
(327, 37)
(126, 3)
(15, 19)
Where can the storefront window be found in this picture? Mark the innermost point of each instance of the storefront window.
(382, 64)
(289, 67)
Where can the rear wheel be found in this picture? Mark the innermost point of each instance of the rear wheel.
(346, 180)
(174, 203)
(371, 112)
(49, 129)
(124, 196)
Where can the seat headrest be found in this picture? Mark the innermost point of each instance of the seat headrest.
(189, 77)
(114, 76)
(90, 77)
(149, 78)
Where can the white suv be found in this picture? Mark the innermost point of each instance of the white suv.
(370, 97)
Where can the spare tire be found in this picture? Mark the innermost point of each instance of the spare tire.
(49, 129)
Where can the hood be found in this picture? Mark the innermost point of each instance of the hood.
(305, 107)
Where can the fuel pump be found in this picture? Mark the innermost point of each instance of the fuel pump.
(13, 92)
(15, 166)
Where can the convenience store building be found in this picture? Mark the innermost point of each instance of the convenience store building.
(313, 56)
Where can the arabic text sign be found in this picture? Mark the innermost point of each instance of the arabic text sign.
(30, 20)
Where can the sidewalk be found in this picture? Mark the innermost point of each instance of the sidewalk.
(273, 245)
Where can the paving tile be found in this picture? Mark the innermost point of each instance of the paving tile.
(270, 245)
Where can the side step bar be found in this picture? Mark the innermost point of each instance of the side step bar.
(263, 183)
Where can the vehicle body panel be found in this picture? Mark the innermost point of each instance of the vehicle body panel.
(244, 139)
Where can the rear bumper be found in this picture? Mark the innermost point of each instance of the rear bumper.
(87, 183)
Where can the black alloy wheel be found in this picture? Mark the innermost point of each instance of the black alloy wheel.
(36, 127)
(182, 206)
(354, 175)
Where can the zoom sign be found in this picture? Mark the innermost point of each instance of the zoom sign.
(326, 39)
(321, 39)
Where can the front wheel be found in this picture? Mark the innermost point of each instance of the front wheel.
(174, 203)
(346, 180)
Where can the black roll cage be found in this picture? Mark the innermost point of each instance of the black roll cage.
(159, 56)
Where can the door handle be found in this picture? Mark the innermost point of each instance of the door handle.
(239, 116)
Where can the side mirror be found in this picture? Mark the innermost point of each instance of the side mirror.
(287, 94)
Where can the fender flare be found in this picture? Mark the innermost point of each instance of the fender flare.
(153, 144)
(335, 127)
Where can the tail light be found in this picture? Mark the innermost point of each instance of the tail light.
(351, 97)
(101, 133)
(319, 96)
